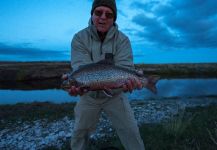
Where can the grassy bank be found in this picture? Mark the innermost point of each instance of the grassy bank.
(195, 129)
(30, 71)
(11, 115)
(191, 129)
(180, 70)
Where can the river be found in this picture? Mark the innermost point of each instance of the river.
(167, 88)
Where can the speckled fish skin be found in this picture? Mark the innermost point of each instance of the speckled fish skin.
(102, 76)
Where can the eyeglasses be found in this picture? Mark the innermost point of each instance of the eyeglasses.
(99, 13)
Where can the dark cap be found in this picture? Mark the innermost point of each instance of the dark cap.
(108, 3)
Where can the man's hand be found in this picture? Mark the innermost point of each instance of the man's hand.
(133, 83)
(74, 91)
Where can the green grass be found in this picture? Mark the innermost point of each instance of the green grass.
(191, 129)
(186, 131)
(10, 115)
(213, 136)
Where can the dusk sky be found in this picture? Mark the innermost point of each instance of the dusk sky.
(160, 31)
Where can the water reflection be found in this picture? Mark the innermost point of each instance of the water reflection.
(179, 88)
(52, 95)
(166, 88)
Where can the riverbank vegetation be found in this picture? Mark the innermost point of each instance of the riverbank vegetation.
(12, 115)
(193, 129)
(29, 71)
(190, 129)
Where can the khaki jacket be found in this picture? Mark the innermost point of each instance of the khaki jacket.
(86, 48)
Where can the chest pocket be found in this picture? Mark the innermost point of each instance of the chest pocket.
(101, 51)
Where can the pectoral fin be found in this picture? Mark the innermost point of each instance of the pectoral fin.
(108, 92)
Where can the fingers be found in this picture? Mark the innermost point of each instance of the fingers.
(72, 91)
(138, 84)
(125, 88)
(128, 87)
(75, 91)
(132, 84)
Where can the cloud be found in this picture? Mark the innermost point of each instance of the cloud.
(155, 31)
(178, 23)
(24, 53)
(144, 6)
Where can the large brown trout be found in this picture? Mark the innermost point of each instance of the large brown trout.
(106, 76)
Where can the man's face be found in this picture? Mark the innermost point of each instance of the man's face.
(103, 18)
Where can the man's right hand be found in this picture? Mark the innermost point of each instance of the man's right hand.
(74, 91)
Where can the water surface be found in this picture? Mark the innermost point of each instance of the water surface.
(167, 88)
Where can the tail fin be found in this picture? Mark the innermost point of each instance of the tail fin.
(151, 83)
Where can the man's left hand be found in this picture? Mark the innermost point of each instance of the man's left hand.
(131, 84)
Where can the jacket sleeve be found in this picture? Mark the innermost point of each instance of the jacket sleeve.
(79, 53)
(124, 55)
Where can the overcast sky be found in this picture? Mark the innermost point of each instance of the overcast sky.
(161, 31)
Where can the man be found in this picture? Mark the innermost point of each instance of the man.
(102, 40)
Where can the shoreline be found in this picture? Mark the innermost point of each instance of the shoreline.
(47, 131)
(44, 70)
